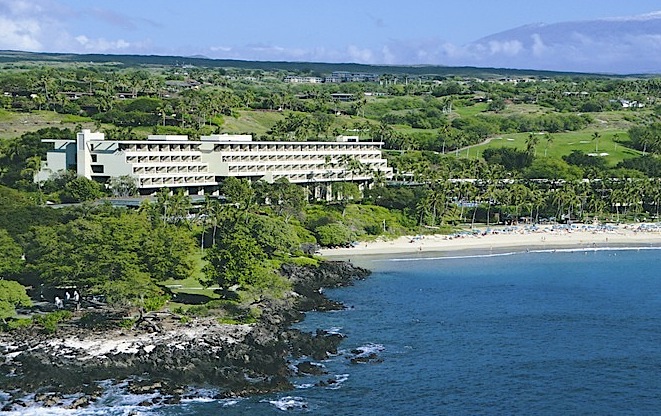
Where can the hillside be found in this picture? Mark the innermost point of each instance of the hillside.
(315, 67)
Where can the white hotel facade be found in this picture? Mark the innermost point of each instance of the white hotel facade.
(199, 166)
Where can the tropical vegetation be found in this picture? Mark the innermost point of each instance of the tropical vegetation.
(465, 151)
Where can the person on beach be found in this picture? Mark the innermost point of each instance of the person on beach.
(76, 299)
(58, 303)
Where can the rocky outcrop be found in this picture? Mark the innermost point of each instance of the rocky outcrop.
(237, 359)
(309, 283)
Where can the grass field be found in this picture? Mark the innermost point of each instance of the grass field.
(563, 144)
(256, 122)
(191, 286)
(13, 124)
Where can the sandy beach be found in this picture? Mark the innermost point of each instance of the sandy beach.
(518, 238)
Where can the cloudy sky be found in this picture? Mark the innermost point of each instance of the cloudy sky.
(557, 35)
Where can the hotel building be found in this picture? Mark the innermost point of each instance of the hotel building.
(199, 166)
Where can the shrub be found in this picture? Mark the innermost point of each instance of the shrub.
(19, 323)
(155, 303)
(333, 235)
(303, 261)
(50, 321)
(126, 323)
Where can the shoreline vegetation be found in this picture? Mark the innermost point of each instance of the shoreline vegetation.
(499, 239)
(73, 367)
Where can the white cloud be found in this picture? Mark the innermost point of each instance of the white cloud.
(388, 56)
(508, 47)
(102, 45)
(20, 34)
(360, 55)
(538, 47)
(42, 25)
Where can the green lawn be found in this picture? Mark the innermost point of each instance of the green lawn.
(257, 122)
(563, 144)
(191, 285)
(14, 124)
(470, 110)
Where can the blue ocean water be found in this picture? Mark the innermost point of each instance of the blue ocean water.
(564, 332)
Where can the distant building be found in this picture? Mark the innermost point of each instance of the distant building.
(292, 79)
(199, 166)
(344, 76)
(339, 96)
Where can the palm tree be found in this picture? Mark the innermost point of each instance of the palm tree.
(463, 192)
(531, 144)
(654, 193)
(618, 198)
(549, 140)
(519, 194)
(536, 198)
(432, 204)
(595, 138)
(565, 198)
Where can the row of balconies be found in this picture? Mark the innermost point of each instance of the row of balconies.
(298, 165)
(267, 167)
(297, 148)
(170, 169)
(251, 157)
(167, 158)
(177, 180)
(308, 178)
(158, 147)
(301, 170)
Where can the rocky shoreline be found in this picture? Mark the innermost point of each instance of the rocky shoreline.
(65, 369)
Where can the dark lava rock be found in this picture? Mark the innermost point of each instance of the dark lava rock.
(80, 402)
(363, 359)
(256, 365)
(310, 281)
(309, 368)
(172, 400)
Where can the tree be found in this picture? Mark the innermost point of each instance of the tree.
(433, 205)
(531, 144)
(549, 141)
(510, 159)
(566, 199)
(289, 200)
(239, 192)
(12, 294)
(273, 236)
(81, 189)
(123, 186)
(335, 234)
(166, 252)
(595, 138)
(496, 105)
(168, 208)
(236, 259)
(107, 254)
(10, 255)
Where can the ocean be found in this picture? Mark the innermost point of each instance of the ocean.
(550, 332)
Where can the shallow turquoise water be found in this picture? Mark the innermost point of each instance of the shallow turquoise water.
(529, 333)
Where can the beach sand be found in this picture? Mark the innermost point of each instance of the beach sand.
(518, 238)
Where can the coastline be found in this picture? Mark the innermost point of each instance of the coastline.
(502, 239)
(73, 367)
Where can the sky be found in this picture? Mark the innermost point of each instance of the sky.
(409, 32)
